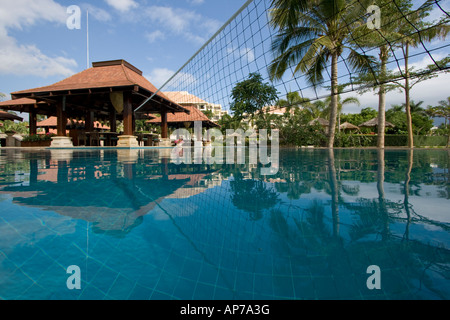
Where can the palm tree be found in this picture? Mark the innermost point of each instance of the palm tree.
(443, 110)
(411, 38)
(381, 38)
(317, 109)
(293, 99)
(342, 103)
(310, 33)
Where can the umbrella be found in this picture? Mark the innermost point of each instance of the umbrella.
(348, 126)
(374, 123)
(9, 116)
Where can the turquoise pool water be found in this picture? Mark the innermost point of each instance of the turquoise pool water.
(141, 227)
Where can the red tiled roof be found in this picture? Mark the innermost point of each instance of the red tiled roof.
(183, 97)
(19, 102)
(195, 115)
(108, 74)
(8, 116)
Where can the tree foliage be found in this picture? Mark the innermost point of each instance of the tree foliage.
(252, 95)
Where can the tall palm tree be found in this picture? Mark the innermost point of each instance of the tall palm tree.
(311, 33)
(380, 38)
(411, 38)
(341, 103)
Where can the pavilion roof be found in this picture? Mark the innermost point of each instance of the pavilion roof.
(194, 115)
(348, 126)
(24, 105)
(103, 78)
(8, 116)
(184, 97)
(321, 121)
(374, 122)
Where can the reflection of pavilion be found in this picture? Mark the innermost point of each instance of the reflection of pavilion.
(112, 197)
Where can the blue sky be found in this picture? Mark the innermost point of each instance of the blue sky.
(157, 36)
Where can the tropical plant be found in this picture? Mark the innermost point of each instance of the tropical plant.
(380, 38)
(310, 33)
(38, 137)
(251, 96)
(341, 103)
(411, 38)
(442, 111)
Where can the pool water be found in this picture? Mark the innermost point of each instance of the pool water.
(141, 227)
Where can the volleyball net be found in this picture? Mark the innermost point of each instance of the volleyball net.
(245, 45)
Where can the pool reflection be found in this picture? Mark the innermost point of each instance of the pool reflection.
(310, 231)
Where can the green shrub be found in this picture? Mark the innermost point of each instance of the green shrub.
(396, 140)
(38, 137)
(430, 141)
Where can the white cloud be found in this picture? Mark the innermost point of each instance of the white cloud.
(155, 35)
(189, 24)
(27, 59)
(196, 2)
(97, 13)
(246, 54)
(159, 76)
(122, 5)
(181, 82)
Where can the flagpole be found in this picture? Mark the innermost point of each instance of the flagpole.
(87, 37)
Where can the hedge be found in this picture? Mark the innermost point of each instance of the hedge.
(350, 140)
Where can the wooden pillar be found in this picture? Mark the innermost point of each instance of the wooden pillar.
(89, 123)
(33, 121)
(164, 127)
(127, 115)
(61, 118)
(113, 119)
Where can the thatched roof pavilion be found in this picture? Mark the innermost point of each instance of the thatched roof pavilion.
(348, 126)
(321, 121)
(374, 122)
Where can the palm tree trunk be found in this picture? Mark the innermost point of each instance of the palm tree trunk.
(407, 102)
(334, 100)
(382, 99)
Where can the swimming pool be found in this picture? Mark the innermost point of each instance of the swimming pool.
(140, 227)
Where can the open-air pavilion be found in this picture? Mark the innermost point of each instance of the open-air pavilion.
(109, 91)
(373, 123)
(186, 121)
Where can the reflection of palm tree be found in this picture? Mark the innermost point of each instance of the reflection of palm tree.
(252, 196)
(406, 191)
(380, 188)
(334, 192)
